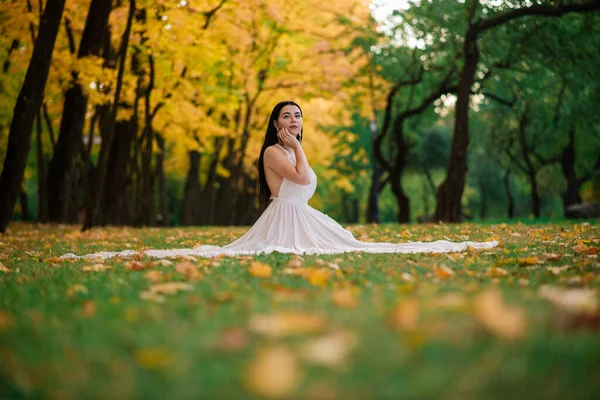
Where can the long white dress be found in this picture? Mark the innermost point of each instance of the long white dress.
(290, 225)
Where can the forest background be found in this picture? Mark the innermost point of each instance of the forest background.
(153, 112)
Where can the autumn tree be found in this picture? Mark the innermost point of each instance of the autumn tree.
(26, 108)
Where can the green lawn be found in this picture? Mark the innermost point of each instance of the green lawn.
(474, 325)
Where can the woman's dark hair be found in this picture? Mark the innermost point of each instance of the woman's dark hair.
(264, 193)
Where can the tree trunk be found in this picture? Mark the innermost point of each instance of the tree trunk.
(68, 146)
(398, 170)
(373, 215)
(449, 194)
(191, 195)
(165, 215)
(571, 195)
(530, 169)
(402, 200)
(41, 171)
(117, 205)
(535, 196)
(24, 201)
(147, 200)
(100, 175)
(483, 201)
(27, 105)
(511, 201)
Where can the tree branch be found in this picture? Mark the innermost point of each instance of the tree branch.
(211, 13)
(546, 10)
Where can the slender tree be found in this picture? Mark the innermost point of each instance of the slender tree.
(100, 172)
(26, 108)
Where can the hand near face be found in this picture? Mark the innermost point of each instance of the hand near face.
(287, 138)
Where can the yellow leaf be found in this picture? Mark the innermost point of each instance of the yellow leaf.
(95, 268)
(148, 295)
(491, 311)
(405, 315)
(170, 287)
(497, 272)
(260, 270)
(75, 289)
(4, 269)
(154, 276)
(318, 277)
(529, 261)
(286, 323)
(344, 298)
(189, 270)
(443, 271)
(153, 358)
(273, 372)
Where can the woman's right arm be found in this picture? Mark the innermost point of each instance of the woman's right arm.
(278, 162)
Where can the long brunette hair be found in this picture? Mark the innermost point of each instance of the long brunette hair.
(271, 138)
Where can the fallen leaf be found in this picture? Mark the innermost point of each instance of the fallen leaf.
(163, 262)
(189, 270)
(260, 270)
(550, 256)
(153, 358)
(154, 276)
(137, 266)
(273, 372)
(286, 323)
(95, 260)
(344, 298)
(497, 272)
(405, 315)
(558, 270)
(407, 277)
(88, 308)
(75, 289)
(583, 301)
(443, 272)
(331, 350)
(4, 269)
(96, 268)
(286, 293)
(491, 311)
(529, 261)
(296, 262)
(318, 277)
(170, 287)
(327, 264)
(147, 295)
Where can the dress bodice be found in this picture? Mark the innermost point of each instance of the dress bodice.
(291, 192)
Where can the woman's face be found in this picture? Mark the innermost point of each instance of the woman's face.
(290, 117)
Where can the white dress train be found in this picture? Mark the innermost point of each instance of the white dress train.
(290, 225)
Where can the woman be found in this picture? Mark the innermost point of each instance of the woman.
(289, 224)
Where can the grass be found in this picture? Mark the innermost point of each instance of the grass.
(399, 326)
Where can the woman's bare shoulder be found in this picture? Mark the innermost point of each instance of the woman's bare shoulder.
(273, 152)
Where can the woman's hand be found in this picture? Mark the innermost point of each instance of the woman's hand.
(287, 138)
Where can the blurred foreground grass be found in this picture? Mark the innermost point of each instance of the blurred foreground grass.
(520, 320)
